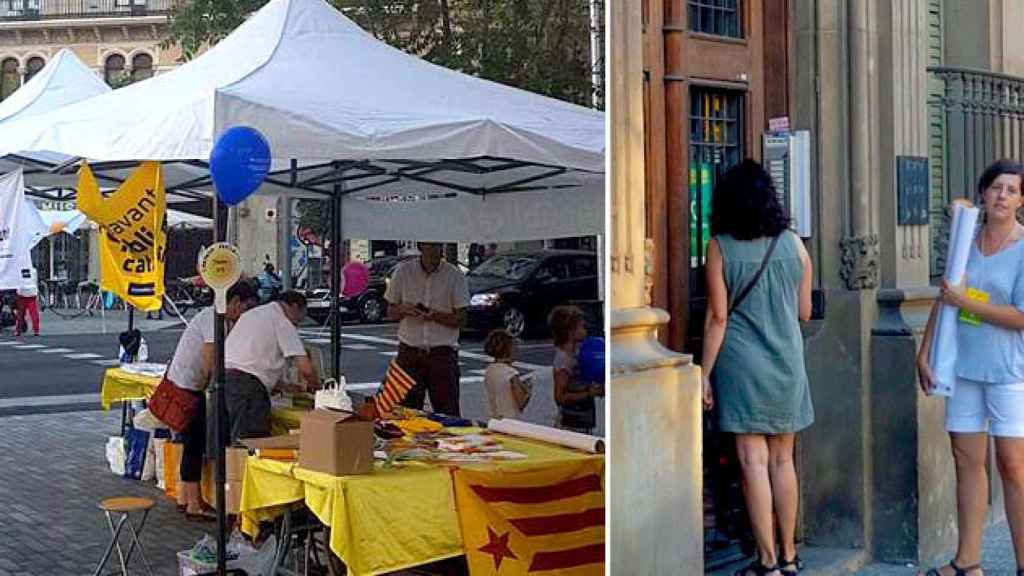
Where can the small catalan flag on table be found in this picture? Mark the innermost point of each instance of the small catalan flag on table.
(396, 386)
(541, 520)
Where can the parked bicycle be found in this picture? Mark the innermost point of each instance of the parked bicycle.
(181, 294)
(69, 300)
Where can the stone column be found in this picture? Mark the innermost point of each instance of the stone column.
(656, 473)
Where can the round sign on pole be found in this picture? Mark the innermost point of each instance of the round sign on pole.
(220, 266)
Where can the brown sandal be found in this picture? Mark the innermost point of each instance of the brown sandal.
(755, 568)
(791, 567)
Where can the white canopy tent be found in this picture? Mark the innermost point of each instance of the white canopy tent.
(64, 80)
(416, 150)
(405, 149)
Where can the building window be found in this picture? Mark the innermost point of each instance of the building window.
(33, 66)
(10, 78)
(142, 67)
(113, 70)
(716, 144)
(718, 17)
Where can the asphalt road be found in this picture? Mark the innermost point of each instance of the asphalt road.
(61, 372)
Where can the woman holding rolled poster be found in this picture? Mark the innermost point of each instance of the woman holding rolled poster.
(989, 393)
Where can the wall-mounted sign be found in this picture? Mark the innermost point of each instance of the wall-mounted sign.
(911, 190)
(780, 124)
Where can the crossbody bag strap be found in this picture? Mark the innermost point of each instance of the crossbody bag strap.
(753, 281)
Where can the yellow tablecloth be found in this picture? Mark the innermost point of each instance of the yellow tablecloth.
(390, 520)
(120, 386)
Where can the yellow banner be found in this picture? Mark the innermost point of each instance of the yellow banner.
(134, 234)
(538, 520)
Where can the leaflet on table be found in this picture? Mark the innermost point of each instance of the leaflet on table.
(145, 368)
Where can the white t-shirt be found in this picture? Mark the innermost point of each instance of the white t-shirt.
(261, 342)
(29, 286)
(187, 365)
(445, 290)
(498, 382)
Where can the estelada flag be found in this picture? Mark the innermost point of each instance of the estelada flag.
(542, 520)
(134, 239)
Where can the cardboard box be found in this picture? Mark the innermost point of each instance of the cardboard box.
(284, 441)
(336, 443)
(235, 463)
(232, 496)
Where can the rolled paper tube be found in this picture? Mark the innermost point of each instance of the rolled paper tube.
(942, 357)
(583, 442)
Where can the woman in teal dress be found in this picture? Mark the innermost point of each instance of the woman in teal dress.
(759, 291)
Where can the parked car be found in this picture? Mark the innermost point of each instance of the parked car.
(369, 306)
(517, 290)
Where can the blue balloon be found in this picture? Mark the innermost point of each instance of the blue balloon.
(591, 360)
(239, 163)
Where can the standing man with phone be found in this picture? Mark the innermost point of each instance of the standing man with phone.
(428, 297)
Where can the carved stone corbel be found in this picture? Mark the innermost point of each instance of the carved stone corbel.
(860, 269)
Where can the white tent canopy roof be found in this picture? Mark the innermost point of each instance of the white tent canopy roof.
(320, 88)
(344, 112)
(64, 80)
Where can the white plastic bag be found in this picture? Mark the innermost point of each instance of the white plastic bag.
(156, 445)
(255, 562)
(145, 420)
(115, 454)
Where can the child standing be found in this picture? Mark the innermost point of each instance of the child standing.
(575, 398)
(26, 302)
(507, 391)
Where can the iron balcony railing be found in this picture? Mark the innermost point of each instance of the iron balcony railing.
(975, 118)
(27, 10)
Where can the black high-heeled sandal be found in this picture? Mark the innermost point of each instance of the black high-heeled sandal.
(790, 567)
(957, 571)
(755, 568)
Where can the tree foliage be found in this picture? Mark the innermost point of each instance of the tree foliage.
(543, 46)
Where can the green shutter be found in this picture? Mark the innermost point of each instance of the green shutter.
(936, 140)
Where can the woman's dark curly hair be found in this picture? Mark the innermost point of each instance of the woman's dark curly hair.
(997, 169)
(745, 206)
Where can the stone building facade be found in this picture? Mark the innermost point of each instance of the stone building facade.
(120, 39)
(878, 85)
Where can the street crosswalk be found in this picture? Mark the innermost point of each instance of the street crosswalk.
(354, 342)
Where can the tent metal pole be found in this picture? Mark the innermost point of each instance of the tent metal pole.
(336, 243)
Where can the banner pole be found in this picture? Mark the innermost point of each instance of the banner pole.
(218, 411)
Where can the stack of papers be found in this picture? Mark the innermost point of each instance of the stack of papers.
(145, 368)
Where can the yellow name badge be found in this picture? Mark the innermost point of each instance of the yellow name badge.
(967, 317)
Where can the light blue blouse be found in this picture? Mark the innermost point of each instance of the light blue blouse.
(987, 353)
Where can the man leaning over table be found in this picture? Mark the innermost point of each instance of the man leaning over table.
(429, 297)
(190, 370)
(256, 354)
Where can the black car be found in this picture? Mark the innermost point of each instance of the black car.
(517, 290)
(369, 306)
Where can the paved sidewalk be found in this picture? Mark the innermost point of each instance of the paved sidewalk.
(112, 322)
(53, 473)
(997, 557)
